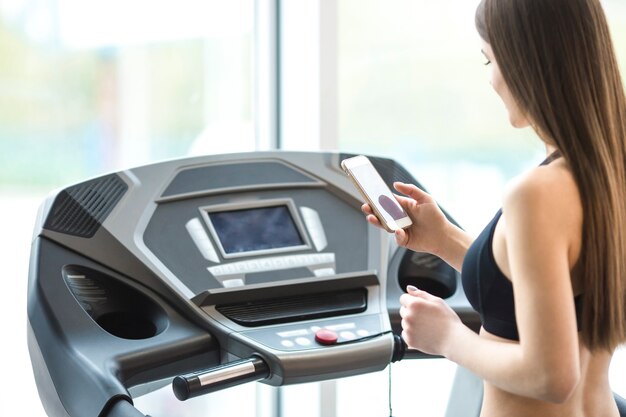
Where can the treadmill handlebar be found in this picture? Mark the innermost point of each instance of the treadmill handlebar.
(239, 372)
(123, 408)
(220, 377)
(399, 348)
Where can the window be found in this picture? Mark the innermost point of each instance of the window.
(92, 86)
(89, 87)
(411, 86)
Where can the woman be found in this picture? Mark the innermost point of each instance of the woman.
(548, 274)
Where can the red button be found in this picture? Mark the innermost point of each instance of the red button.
(326, 337)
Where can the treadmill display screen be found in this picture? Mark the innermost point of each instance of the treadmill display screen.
(256, 229)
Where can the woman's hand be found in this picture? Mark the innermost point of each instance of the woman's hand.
(427, 322)
(427, 233)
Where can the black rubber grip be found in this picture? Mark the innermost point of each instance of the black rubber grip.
(123, 408)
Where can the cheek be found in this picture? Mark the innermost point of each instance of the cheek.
(496, 81)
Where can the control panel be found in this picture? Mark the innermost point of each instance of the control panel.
(214, 271)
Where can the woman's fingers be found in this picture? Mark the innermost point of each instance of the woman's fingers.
(412, 191)
(413, 290)
(369, 215)
(414, 293)
(402, 238)
(371, 219)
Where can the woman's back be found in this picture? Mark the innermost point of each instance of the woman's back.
(592, 396)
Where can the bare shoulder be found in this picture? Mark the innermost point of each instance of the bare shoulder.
(547, 198)
(550, 186)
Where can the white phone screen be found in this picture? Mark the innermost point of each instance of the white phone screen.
(378, 192)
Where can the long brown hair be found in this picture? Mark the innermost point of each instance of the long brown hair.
(557, 59)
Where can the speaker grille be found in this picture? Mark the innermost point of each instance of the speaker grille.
(80, 210)
(296, 308)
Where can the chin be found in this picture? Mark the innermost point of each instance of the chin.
(519, 123)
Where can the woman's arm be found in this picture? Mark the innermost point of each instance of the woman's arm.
(540, 213)
(454, 247)
(431, 231)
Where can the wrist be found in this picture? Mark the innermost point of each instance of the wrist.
(446, 241)
(454, 340)
(453, 245)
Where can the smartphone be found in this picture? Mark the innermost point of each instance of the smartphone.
(376, 193)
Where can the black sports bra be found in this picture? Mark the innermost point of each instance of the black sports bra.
(488, 290)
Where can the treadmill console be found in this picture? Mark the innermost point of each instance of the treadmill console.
(214, 271)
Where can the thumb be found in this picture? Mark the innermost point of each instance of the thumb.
(416, 292)
(413, 290)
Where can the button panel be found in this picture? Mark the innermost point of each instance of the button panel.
(348, 335)
(314, 226)
(317, 260)
(326, 337)
(319, 335)
(201, 239)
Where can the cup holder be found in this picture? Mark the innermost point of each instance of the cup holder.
(116, 307)
(428, 273)
(127, 325)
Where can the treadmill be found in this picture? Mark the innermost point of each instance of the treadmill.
(213, 271)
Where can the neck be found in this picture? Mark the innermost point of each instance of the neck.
(550, 149)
